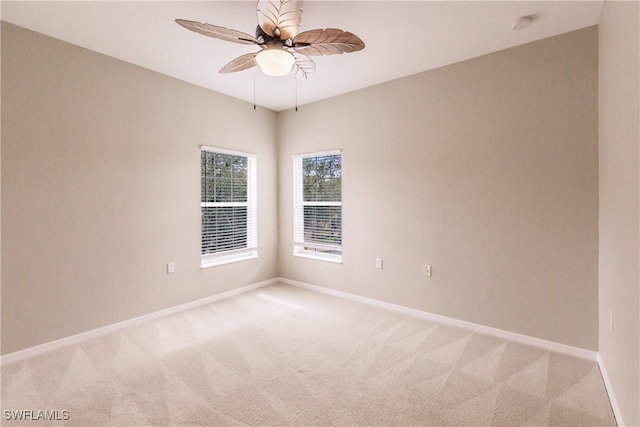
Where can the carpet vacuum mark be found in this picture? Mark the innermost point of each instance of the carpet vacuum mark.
(282, 355)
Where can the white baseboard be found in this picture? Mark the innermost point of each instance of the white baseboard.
(84, 336)
(612, 398)
(523, 339)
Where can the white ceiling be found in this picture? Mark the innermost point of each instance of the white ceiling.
(402, 38)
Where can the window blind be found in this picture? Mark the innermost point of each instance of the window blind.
(318, 205)
(228, 205)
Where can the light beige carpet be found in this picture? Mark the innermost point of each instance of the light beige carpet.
(282, 355)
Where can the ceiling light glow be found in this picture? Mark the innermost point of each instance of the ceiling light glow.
(275, 62)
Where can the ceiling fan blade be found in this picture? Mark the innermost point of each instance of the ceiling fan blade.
(218, 32)
(280, 19)
(240, 63)
(330, 41)
(304, 66)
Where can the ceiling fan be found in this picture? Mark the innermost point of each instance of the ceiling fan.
(282, 50)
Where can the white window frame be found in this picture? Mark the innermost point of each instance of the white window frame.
(300, 247)
(251, 251)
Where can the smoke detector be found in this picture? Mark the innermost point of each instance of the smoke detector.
(521, 23)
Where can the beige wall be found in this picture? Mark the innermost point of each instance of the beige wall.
(485, 169)
(100, 189)
(619, 203)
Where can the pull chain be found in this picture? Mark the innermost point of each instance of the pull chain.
(254, 88)
(296, 93)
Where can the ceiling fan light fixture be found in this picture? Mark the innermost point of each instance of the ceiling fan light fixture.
(283, 49)
(275, 61)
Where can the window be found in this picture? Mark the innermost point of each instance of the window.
(228, 205)
(317, 222)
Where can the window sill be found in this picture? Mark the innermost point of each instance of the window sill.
(310, 255)
(227, 260)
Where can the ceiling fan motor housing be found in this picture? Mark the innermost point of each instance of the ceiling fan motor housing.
(264, 38)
